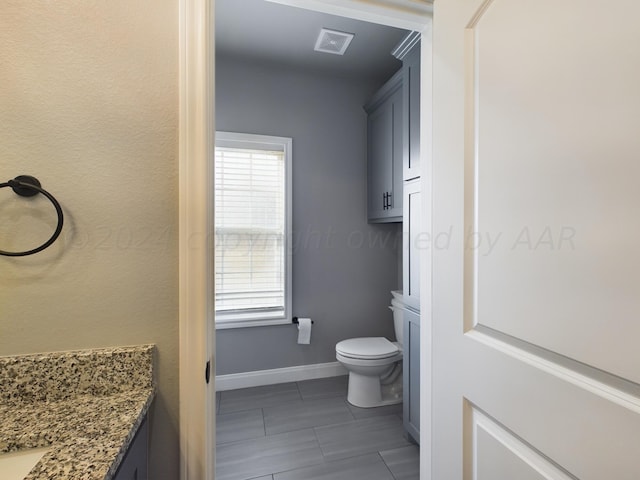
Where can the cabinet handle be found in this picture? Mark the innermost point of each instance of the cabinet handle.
(386, 200)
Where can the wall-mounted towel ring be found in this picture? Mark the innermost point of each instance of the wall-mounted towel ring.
(27, 186)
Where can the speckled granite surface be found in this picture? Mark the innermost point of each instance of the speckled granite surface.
(86, 405)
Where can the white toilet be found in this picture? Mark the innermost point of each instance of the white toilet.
(374, 365)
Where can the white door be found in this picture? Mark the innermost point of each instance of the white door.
(536, 295)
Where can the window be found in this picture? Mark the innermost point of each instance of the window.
(252, 230)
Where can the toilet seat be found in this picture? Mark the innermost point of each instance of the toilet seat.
(367, 348)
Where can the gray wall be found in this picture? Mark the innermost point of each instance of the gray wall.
(341, 276)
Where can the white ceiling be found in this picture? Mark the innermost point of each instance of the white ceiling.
(258, 30)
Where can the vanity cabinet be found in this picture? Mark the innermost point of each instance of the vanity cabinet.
(134, 464)
(411, 372)
(385, 123)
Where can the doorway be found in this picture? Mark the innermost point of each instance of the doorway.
(197, 127)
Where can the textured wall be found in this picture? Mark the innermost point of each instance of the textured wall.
(343, 268)
(88, 104)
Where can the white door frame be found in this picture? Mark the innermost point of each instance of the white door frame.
(196, 157)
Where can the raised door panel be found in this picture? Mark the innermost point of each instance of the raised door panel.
(557, 264)
(532, 309)
(497, 454)
(396, 199)
(411, 67)
(411, 371)
(380, 154)
(413, 240)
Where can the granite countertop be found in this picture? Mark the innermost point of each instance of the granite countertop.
(85, 405)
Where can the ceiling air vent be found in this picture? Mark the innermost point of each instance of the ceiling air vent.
(332, 41)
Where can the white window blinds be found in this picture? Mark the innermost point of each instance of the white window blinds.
(251, 228)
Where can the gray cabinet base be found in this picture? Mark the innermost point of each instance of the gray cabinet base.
(134, 464)
(411, 372)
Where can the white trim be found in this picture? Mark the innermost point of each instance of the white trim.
(426, 287)
(404, 47)
(285, 145)
(251, 323)
(407, 14)
(196, 154)
(298, 373)
(254, 140)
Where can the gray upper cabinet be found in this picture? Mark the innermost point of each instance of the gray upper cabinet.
(408, 51)
(411, 104)
(385, 122)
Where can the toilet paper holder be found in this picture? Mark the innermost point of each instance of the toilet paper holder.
(295, 320)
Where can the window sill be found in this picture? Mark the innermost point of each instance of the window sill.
(264, 322)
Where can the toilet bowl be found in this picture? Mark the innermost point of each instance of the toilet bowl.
(375, 367)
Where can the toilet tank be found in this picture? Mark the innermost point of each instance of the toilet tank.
(398, 323)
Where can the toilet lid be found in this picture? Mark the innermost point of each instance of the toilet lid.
(367, 347)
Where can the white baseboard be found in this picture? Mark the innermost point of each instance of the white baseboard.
(278, 375)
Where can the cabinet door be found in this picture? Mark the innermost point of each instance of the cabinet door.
(411, 104)
(380, 153)
(134, 464)
(384, 151)
(411, 372)
(411, 240)
(396, 198)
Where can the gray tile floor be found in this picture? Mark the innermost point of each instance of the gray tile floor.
(308, 431)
